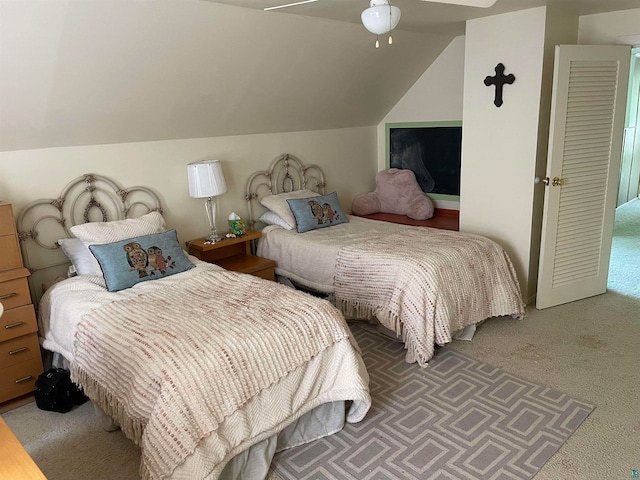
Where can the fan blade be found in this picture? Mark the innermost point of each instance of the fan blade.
(466, 3)
(289, 5)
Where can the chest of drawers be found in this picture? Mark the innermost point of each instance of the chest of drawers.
(20, 359)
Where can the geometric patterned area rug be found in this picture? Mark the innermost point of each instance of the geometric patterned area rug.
(457, 419)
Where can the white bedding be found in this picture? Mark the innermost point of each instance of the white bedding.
(329, 376)
(63, 305)
(449, 283)
(310, 258)
(425, 284)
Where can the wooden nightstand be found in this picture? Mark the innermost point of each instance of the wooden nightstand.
(234, 254)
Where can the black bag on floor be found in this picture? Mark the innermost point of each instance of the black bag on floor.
(56, 392)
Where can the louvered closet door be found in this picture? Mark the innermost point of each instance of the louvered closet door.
(585, 142)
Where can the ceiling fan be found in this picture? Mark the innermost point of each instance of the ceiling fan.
(381, 17)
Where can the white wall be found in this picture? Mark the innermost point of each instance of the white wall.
(620, 28)
(609, 28)
(436, 96)
(346, 156)
(499, 145)
(77, 72)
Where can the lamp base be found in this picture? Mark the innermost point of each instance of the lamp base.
(210, 207)
(214, 238)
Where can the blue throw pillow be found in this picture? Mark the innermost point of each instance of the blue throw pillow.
(317, 212)
(139, 259)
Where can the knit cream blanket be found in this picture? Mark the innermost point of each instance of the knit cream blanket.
(171, 364)
(425, 283)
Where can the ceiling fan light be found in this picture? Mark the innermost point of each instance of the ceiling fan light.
(380, 17)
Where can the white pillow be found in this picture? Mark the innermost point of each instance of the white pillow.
(272, 218)
(108, 232)
(278, 203)
(78, 254)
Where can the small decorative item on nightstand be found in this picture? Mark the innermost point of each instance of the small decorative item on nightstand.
(234, 254)
(237, 225)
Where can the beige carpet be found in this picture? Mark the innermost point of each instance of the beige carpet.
(586, 349)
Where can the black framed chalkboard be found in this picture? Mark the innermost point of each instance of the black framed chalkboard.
(432, 150)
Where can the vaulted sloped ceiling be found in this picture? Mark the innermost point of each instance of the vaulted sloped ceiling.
(78, 72)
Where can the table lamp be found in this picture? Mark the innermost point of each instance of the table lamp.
(206, 180)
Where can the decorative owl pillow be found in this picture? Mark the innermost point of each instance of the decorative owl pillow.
(317, 212)
(116, 230)
(139, 259)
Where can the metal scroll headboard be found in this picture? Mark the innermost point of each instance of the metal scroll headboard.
(285, 174)
(89, 198)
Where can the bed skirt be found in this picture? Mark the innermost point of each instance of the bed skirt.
(254, 462)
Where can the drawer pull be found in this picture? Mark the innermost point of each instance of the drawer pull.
(8, 295)
(23, 379)
(17, 350)
(13, 325)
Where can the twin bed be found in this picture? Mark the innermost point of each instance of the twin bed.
(209, 372)
(424, 285)
(189, 359)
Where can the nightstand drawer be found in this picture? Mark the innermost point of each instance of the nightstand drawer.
(20, 378)
(258, 266)
(19, 349)
(15, 293)
(267, 273)
(17, 322)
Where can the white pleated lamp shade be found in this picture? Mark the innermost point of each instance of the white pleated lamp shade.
(206, 179)
(380, 17)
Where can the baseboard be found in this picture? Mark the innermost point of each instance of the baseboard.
(531, 300)
(16, 403)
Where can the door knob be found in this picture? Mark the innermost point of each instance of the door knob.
(555, 182)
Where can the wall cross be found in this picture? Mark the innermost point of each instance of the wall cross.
(499, 80)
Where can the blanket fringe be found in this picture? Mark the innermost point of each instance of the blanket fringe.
(390, 320)
(436, 281)
(109, 403)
